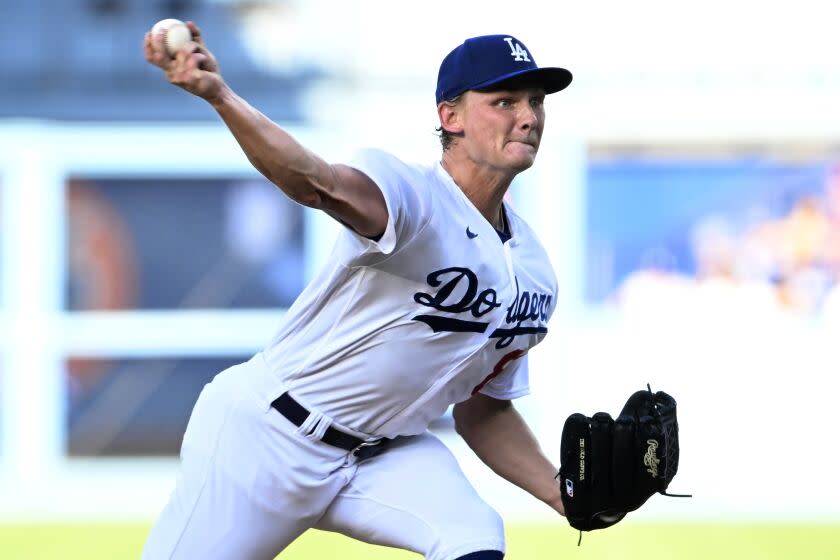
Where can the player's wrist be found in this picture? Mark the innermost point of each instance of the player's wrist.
(556, 503)
(221, 97)
(554, 499)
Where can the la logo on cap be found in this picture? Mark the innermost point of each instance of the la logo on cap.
(516, 51)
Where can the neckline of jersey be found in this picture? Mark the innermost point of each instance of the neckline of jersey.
(504, 236)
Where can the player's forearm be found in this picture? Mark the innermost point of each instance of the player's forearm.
(298, 172)
(505, 443)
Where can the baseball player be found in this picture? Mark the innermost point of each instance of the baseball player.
(435, 292)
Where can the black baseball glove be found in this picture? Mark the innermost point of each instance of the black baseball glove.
(611, 467)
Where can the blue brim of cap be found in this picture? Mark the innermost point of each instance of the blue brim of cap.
(551, 79)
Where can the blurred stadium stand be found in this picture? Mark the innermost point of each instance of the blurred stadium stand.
(85, 62)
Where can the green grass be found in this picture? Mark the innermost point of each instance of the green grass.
(626, 541)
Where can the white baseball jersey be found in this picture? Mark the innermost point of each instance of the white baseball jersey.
(386, 337)
(391, 332)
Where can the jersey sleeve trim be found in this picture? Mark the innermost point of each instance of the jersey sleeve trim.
(370, 163)
(506, 395)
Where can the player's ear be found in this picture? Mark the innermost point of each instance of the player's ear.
(449, 113)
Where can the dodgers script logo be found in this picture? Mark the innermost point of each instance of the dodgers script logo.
(457, 292)
(516, 51)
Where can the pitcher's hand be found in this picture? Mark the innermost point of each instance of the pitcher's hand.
(193, 67)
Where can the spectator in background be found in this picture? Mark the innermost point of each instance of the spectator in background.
(804, 277)
(727, 280)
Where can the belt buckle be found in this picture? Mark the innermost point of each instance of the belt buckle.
(368, 449)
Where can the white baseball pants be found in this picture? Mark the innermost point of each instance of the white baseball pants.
(251, 482)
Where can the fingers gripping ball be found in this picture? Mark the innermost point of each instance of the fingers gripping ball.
(176, 34)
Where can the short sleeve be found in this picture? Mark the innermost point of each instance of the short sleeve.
(401, 186)
(512, 383)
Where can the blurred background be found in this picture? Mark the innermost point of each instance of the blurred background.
(687, 190)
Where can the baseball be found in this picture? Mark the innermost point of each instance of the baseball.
(176, 34)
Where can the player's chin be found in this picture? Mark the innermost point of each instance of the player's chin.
(522, 159)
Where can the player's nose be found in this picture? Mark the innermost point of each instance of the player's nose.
(528, 117)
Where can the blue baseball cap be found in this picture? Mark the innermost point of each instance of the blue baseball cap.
(485, 61)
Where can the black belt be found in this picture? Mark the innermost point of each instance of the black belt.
(297, 415)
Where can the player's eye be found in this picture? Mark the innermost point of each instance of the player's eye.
(504, 103)
(537, 102)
